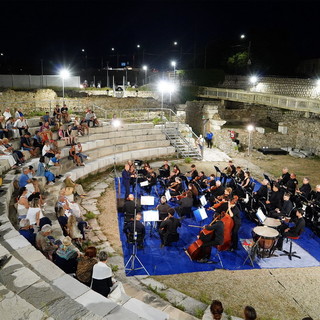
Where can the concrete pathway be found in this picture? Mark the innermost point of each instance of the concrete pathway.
(215, 155)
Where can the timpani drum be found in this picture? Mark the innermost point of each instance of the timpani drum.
(272, 222)
(266, 238)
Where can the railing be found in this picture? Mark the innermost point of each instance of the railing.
(284, 102)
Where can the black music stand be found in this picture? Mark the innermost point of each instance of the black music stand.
(217, 170)
(269, 180)
(133, 258)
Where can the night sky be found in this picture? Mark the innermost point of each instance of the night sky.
(56, 31)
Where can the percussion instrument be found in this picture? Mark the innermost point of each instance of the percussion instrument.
(272, 222)
(266, 238)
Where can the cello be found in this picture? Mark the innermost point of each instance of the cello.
(195, 251)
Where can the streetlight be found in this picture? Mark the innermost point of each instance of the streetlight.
(250, 129)
(112, 49)
(242, 36)
(175, 43)
(138, 46)
(253, 80)
(163, 87)
(145, 68)
(173, 63)
(64, 74)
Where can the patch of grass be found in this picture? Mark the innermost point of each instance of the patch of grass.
(187, 160)
(198, 313)
(114, 267)
(156, 120)
(179, 306)
(155, 290)
(89, 215)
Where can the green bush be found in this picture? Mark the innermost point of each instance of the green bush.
(89, 215)
(187, 160)
(156, 120)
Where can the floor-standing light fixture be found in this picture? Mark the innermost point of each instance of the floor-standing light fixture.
(64, 74)
(173, 63)
(145, 68)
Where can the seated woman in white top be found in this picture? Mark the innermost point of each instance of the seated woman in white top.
(23, 204)
(102, 275)
(34, 213)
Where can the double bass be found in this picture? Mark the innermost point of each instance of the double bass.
(195, 251)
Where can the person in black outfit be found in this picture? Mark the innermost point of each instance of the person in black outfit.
(194, 172)
(234, 213)
(176, 187)
(126, 180)
(140, 230)
(305, 189)
(292, 184)
(228, 172)
(294, 231)
(209, 241)
(284, 177)
(286, 208)
(239, 176)
(275, 200)
(129, 207)
(164, 170)
(219, 191)
(185, 205)
(163, 208)
(168, 229)
(152, 181)
(262, 193)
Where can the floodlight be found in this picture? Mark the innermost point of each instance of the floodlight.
(250, 127)
(318, 83)
(138, 45)
(253, 79)
(116, 123)
(173, 63)
(175, 43)
(145, 68)
(64, 73)
(242, 36)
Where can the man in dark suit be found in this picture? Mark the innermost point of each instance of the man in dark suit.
(168, 229)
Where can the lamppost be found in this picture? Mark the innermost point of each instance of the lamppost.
(173, 63)
(242, 37)
(145, 68)
(250, 129)
(164, 87)
(64, 74)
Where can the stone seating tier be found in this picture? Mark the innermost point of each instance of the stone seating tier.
(32, 286)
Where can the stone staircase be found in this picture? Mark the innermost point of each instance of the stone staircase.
(181, 137)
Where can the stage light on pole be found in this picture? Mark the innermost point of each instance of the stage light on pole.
(112, 49)
(138, 46)
(173, 63)
(175, 43)
(318, 83)
(250, 129)
(145, 68)
(64, 74)
(253, 80)
(242, 36)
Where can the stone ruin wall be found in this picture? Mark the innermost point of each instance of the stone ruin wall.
(301, 88)
(299, 130)
(46, 99)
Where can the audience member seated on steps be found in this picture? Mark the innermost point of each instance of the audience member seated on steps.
(71, 206)
(45, 242)
(57, 113)
(85, 265)
(76, 229)
(168, 229)
(47, 118)
(27, 145)
(47, 151)
(17, 154)
(55, 165)
(77, 188)
(63, 220)
(102, 275)
(12, 132)
(79, 152)
(84, 126)
(22, 125)
(216, 310)
(45, 132)
(140, 230)
(250, 313)
(24, 178)
(73, 156)
(34, 190)
(42, 172)
(67, 255)
(7, 114)
(27, 231)
(3, 130)
(65, 115)
(37, 142)
(22, 204)
(65, 136)
(34, 213)
(6, 154)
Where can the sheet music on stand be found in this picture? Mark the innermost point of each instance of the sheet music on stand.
(261, 216)
(150, 215)
(147, 200)
(168, 195)
(200, 214)
(144, 183)
(203, 200)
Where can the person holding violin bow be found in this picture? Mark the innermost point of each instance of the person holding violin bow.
(215, 191)
(164, 170)
(193, 173)
(176, 187)
(174, 174)
(234, 213)
(168, 229)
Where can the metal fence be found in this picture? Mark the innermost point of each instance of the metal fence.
(284, 102)
(42, 81)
